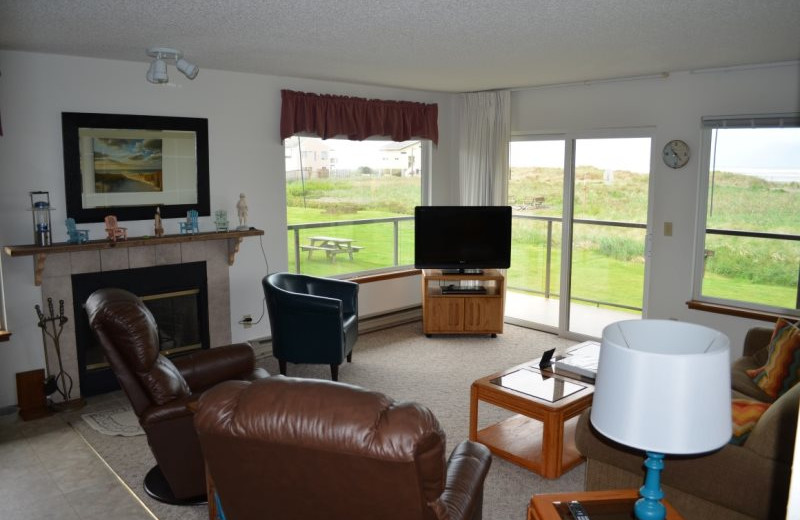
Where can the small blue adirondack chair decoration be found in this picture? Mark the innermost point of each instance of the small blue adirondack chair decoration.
(221, 220)
(190, 226)
(75, 235)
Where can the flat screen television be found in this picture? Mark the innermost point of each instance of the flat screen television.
(462, 238)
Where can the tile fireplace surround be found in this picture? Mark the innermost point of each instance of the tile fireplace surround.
(54, 266)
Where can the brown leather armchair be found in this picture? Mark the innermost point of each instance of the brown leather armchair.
(293, 448)
(160, 389)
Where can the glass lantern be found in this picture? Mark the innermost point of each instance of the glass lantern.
(40, 208)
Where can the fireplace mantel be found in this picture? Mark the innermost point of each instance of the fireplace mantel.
(64, 261)
(40, 253)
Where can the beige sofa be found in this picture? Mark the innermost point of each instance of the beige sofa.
(750, 481)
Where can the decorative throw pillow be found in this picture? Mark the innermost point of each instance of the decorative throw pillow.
(745, 414)
(782, 369)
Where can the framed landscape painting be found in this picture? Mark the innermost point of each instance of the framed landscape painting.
(127, 165)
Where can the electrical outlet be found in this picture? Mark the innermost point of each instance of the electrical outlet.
(247, 321)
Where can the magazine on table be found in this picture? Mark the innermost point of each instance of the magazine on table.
(581, 359)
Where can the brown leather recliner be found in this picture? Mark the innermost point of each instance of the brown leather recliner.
(159, 389)
(293, 448)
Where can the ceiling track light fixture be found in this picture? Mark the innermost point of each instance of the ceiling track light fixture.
(157, 73)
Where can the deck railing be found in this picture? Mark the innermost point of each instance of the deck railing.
(295, 229)
(761, 235)
(394, 221)
(547, 291)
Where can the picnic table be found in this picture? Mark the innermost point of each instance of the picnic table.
(332, 246)
(534, 203)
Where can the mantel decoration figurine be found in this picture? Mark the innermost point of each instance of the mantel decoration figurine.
(221, 220)
(190, 225)
(158, 228)
(75, 235)
(241, 209)
(113, 230)
(40, 208)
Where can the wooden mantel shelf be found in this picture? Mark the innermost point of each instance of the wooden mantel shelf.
(40, 253)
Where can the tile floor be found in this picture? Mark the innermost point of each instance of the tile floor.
(47, 471)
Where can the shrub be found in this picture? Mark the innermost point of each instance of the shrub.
(621, 248)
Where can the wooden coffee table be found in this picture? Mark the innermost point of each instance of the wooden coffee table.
(541, 437)
(600, 505)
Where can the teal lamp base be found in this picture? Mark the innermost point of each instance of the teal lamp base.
(649, 507)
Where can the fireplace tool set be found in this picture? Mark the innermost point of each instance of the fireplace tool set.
(62, 381)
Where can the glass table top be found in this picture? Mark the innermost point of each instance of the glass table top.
(542, 386)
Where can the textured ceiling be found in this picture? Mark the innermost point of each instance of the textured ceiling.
(441, 45)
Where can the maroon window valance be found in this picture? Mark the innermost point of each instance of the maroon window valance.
(330, 116)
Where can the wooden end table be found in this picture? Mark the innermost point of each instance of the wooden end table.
(614, 504)
(541, 437)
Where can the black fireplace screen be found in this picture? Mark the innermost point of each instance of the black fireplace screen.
(176, 295)
(177, 316)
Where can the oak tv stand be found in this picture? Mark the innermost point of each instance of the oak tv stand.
(463, 303)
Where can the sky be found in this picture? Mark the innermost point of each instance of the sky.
(631, 154)
(765, 152)
(751, 150)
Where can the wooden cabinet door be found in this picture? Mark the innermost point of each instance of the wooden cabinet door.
(483, 314)
(444, 315)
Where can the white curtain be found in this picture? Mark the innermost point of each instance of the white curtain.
(483, 147)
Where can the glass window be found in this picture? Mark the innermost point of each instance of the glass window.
(350, 204)
(751, 247)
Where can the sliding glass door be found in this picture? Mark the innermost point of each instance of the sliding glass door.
(535, 192)
(579, 231)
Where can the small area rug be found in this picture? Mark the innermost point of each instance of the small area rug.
(407, 366)
(115, 421)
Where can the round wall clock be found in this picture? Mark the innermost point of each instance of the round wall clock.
(676, 154)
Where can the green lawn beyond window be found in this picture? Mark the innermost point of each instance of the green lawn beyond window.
(617, 252)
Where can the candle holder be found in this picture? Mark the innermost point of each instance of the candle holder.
(40, 208)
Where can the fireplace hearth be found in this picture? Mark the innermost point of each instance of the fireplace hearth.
(177, 295)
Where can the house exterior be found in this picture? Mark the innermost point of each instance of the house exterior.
(311, 156)
(403, 159)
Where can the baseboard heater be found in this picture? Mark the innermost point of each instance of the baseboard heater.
(263, 346)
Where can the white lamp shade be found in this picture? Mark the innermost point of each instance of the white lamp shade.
(663, 386)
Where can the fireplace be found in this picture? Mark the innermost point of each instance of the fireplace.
(55, 265)
(177, 295)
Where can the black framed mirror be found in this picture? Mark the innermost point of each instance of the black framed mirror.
(127, 165)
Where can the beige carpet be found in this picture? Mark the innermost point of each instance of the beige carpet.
(405, 365)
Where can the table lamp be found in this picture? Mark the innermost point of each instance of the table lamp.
(662, 386)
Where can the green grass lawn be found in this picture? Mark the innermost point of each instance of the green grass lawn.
(717, 286)
(377, 241)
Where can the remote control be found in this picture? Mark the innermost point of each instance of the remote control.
(577, 510)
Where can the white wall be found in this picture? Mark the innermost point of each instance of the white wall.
(673, 107)
(246, 155)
